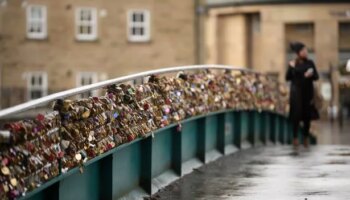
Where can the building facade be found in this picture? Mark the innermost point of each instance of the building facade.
(257, 33)
(48, 46)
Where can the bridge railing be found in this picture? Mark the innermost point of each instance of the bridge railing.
(130, 138)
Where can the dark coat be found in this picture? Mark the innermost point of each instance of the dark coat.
(301, 90)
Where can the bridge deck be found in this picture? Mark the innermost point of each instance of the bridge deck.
(321, 172)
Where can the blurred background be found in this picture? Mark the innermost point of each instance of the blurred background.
(48, 46)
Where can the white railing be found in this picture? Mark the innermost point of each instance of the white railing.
(79, 90)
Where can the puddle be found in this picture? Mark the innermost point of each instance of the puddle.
(249, 174)
(323, 193)
(259, 162)
(337, 162)
(340, 154)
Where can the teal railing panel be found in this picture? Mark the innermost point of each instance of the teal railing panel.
(229, 128)
(273, 133)
(190, 132)
(244, 121)
(82, 185)
(262, 127)
(126, 170)
(162, 151)
(133, 166)
(211, 132)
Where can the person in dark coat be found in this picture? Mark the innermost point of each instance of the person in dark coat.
(301, 73)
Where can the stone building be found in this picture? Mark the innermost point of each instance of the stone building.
(48, 46)
(257, 33)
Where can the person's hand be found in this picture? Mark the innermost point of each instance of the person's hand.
(309, 73)
(292, 63)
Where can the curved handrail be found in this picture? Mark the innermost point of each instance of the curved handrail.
(81, 130)
(37, 102)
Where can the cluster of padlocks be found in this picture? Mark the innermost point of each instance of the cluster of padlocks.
(34, 151)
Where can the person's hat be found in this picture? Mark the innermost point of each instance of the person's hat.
(297, 46)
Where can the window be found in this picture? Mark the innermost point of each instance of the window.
(86, 24)
(36, 22)
(36, 85)
(139, 25)
(87, 78)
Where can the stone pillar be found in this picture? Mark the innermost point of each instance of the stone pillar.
(232, 47)
(326, 49)
(326, 44)
(211, 38)
(274, 51)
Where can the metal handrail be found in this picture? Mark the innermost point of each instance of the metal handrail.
(71, 92)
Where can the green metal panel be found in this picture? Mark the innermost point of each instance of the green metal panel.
(229, 128)
(289, 132)
(251, 127)
(126, 169)
(257, 129)
(244, 122)
(189, 140)
(82, 186)
(267, 126)
(273, 129)
(286, 130)
(281, 130)
(161, 152)
(277, 128)
(211, 124)
(262, 127)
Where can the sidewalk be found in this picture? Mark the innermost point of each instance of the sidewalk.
(272, 173)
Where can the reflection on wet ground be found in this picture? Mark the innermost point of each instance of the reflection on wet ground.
(269, 173)
(274, 172)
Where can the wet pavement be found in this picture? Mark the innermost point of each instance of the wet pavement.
(332, 133)
(273, 172)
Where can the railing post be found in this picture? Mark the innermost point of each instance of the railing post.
(251, 128)
(281, 129)
(289, 132)
(237, 126)
(106, 178)
(262, 127)
(273, 122)
(146, 165)
(202, 139)
(258, 128)
(177, 150)
(221, 133)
